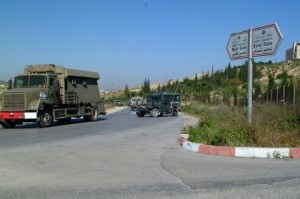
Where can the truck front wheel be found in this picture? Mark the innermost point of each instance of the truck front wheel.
(46, 119)
(7, 124)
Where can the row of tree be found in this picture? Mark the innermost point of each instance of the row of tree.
(228, 85)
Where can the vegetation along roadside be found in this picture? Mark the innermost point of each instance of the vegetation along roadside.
(272, 126)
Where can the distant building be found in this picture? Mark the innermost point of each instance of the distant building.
(293, 53)
(102, 92)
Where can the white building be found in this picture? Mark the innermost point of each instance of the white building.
(293, 53)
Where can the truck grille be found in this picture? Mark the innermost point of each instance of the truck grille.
(14, 102)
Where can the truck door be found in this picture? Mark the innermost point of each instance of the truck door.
(54, 94)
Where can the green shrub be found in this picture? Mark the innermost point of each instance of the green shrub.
(272, 126)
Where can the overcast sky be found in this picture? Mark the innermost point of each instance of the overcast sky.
(127, 41)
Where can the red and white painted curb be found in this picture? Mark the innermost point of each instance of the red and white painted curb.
(249, 152)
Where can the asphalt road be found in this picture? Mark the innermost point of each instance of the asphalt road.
(123, 156)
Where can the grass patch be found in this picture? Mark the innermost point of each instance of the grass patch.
(272, 126)
(108, 106)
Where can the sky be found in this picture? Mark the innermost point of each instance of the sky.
(128, 41)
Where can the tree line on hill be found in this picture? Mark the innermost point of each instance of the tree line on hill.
(227, 85)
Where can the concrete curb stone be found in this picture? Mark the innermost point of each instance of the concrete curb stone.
(249, 152)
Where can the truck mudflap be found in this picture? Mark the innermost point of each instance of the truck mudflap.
(17, 115)
(102, 113)
(101, 109)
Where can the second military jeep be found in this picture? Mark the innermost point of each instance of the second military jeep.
(159, 104)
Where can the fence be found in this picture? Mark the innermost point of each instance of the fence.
(286, 95)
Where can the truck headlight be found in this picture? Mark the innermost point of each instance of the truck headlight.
(33, 105)
(43, 95)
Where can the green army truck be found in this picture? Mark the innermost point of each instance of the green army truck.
(47, 92)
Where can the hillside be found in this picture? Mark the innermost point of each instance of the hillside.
(292, 68)
(275, 69)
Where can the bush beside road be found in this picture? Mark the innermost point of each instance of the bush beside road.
(192, 123)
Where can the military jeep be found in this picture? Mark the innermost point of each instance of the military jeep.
(159, 104)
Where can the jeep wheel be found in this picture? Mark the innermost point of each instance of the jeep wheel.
(154, 112)
(46, 119)
(174, 113)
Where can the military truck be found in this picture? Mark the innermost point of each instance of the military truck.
(47, 92)
(159, 104)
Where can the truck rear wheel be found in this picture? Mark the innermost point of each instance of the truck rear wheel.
(93, 116)
(154, 112)
(46, 119)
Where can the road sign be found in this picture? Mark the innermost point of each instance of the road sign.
(256, 42)
(266, 40)
(237, 46)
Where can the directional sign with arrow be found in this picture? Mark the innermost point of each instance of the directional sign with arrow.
(237, 46)
(266, 40)
(256, 42)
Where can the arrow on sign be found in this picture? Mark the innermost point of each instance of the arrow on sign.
(237, 46)
(266, 40)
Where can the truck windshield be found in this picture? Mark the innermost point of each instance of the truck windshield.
(30, 81)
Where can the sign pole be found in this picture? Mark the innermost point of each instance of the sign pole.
(250, 78)
(254, 42)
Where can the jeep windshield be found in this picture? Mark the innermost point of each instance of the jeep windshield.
(27, 81)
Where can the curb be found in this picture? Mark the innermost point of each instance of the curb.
(247, 152)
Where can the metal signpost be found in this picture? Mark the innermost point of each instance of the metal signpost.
(256, 42)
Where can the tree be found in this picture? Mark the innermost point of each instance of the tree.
(194, 84)
(285, 78)
(127, 92)
(230, 72)
(256, 72)
(158, 88)
(257, 90)
(243, 75)
(146, 86)
(271, 82)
